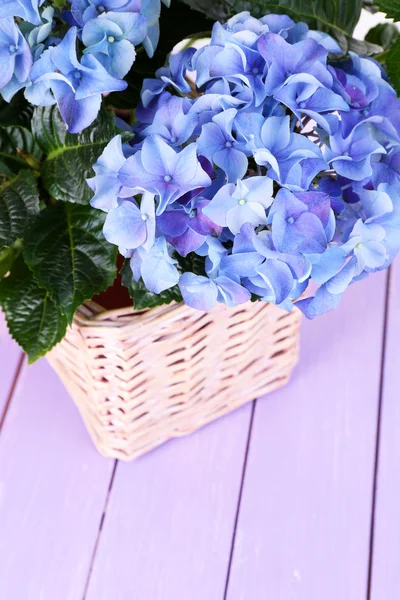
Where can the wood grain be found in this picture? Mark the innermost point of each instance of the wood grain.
(386, 547)
(304, 523)
(53, 486)
(168, 530)
(10, 358)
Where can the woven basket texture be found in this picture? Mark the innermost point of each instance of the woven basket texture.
(141, 378)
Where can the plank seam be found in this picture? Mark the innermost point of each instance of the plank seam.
(10, 395)
(378, 434)
(241, 488)
(101, 523)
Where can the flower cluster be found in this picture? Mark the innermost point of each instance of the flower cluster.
(278, 166)
(40, 53)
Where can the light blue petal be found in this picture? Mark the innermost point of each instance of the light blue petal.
(197, 291)
(124, 226)
(231, 293)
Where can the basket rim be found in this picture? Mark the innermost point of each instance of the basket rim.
(91, 315)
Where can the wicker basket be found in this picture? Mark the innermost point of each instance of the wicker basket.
(141, 378)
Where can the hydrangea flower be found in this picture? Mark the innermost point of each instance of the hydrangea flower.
(187, 227)
(217, 143)
(112, 38)
(202, 293)
(26, 9)
(159, 169)
(40, 34)
(33, 55)
(83, 11)
(245, 202)
(304, 61)
(76, 86)
(155, 266)
(15, 58)
(279, 167)
(105, 184)
(131, 226)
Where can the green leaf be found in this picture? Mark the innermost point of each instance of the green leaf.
(19, 204)
(383, 34)
(141, 296)
(70, 157)
(32, 316)
(360, 47)
(18, 150)
(390, 7)
(332, 16)
(16, 112)
(392, 62)
(68, 254)
(192, 263)
(8, 256)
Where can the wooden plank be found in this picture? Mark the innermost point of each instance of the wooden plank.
(10, 357)
(304, 521)
(386, 546)
(53, 487)
(168, 529)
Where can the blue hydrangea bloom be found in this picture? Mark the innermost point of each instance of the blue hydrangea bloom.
(112, 38)
(299, 221)
(28, 10)
(173, 121)
(105, 184)
(83, 11)
(265, 160)
(155, 266)
(245, 202)
(173, 75)
(292, 159)
(158, 169)
(15, 59)
(217, 143)
(130, 226)
(351, 156)
(76, 86)
(285, 61)
(39, 35)
(202, 293)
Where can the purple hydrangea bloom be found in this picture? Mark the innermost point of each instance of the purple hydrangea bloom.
(299, 221)
(187, 227)
(315, 105)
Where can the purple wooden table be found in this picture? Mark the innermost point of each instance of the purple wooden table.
(293, 497)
